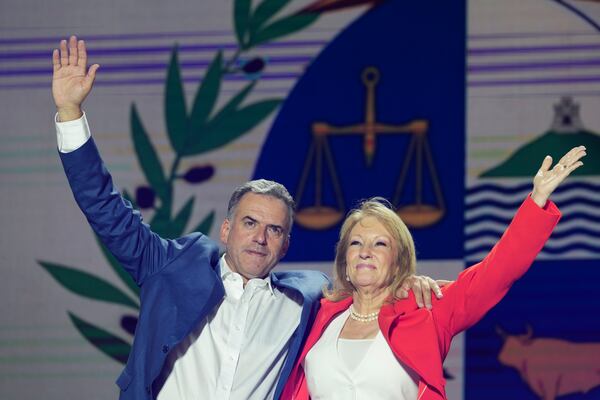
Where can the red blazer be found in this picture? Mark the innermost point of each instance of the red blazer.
(420, 337)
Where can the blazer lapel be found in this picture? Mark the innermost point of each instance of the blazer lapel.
(310, 306)
(411, 334)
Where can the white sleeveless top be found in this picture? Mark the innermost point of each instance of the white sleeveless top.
(378, 376)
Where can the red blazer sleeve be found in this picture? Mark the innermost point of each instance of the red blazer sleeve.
(482, 286)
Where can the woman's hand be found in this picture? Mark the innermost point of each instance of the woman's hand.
(546, 179)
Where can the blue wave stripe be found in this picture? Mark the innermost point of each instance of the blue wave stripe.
(564, 249)
(506, 221)
(515, 204)
(488, 187)
(555, 235)
(547, 250)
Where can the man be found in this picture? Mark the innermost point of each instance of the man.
(209, 327)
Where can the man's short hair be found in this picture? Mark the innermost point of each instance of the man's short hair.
(266, 188)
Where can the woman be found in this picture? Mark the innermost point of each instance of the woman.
(365, 344)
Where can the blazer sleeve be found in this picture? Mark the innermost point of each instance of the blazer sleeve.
(481, 286)
(120, 227)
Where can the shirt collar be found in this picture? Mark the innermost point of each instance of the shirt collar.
(260, 283)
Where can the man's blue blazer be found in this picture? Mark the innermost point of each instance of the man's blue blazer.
(178, 281)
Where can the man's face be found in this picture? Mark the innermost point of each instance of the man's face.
(256, 237)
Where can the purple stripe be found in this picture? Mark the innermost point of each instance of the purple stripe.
(538, 81)
(151, 81)
(156, 93)
(224, 32)
(475, 69)
(128, 36)
(108, 52)
(576, 93)
(147, 67)
(287, 76)
(133, 36)
(523, 35)
(483, 51)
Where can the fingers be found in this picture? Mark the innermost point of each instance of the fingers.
(91, 75)
(442, 282)
(402, 292)
(571, 158)
(418, 291)
(422, 287)
(571, 161)
(545, 165)
(573, 167)
(81, 54)
(571, 155)
(64, 55)
(435, 288)
(426, 291)
(577, 155)
(73, 50)
(55, 60)
(72, 53)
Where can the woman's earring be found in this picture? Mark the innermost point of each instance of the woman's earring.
(347, 278)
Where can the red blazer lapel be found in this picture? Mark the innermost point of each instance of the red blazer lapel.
(412, 336)
(296, 381)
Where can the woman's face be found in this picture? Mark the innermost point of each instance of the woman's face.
(371, 256)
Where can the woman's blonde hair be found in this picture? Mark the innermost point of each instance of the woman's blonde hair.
(380, 209)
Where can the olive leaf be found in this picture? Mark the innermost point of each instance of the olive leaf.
(177, 226)
(206, 224)
(264, 11)
(147, 157)
(109, 344)
(207, 95)
(175, 110)
(232, 125)
(241, 20)
(88, 285)
(118, 269)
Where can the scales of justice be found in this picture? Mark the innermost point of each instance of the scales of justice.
(416, 214)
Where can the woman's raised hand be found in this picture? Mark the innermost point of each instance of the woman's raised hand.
(547, 179)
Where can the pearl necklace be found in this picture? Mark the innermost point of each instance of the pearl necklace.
(363, 317)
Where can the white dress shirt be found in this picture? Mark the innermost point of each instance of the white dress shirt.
(238, 351)
(379, 375)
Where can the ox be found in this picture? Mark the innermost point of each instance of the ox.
(551, 367)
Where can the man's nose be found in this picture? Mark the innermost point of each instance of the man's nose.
(260, 236)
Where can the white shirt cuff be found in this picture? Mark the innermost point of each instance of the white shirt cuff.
(71, 135)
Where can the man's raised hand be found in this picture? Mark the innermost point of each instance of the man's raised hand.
(71, 79)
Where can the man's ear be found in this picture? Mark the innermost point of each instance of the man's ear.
(225, 228)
